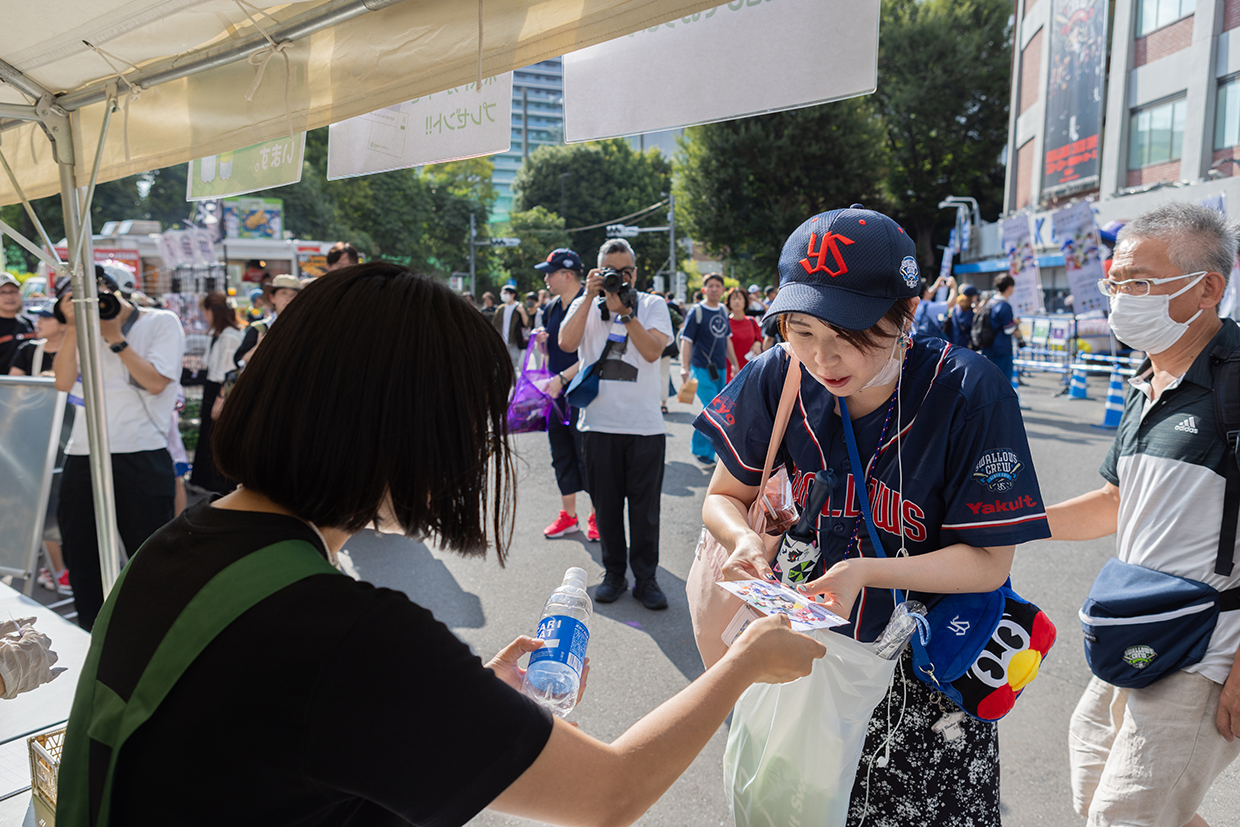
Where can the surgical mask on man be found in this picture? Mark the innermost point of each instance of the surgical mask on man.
(1145, 323)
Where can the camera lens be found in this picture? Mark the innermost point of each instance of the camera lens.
(109, 306)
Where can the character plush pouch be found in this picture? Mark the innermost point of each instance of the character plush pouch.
(1141, 624)
(983, 649)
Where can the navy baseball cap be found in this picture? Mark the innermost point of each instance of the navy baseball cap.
(561, 258)
(43, 311)
(969, 290)
(846, 267)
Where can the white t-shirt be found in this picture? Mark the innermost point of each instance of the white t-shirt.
(509, 309)
(220, 357)
(137, 420)
(629, 397)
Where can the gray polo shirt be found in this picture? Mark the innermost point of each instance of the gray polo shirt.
(1167, 460)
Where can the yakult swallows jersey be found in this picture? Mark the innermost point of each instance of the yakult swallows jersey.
(968, 477)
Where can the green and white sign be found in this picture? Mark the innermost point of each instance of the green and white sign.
(252, 169)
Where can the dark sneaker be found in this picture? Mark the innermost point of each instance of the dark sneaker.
(650, 595)
(704, 460)
(611, 588)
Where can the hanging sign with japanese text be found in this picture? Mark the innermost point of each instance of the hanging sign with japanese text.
(462, 122)
(742, 58)
(1022, 266)
(260, 167)
(1077, 234)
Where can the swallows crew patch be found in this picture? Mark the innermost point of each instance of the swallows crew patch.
(998, 470)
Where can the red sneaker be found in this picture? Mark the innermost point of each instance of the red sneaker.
(563, 524)
(592, 529)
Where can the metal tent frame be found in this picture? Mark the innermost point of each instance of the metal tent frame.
(528, 34)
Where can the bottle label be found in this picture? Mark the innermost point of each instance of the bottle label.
(565, 641)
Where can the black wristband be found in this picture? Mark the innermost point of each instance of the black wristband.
(119, 346)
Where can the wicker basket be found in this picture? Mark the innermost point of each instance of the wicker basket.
(44, 764)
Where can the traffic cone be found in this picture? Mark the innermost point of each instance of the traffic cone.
(1115, 401)
(1076, 388)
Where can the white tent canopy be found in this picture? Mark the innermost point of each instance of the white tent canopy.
(191, 78)
(188, 64)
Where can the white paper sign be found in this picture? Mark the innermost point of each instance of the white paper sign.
(461, 122)
(743, 58)
(1023, 266)
(1077, 234)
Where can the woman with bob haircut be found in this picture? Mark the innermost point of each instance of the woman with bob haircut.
(848, 291)
(229, 632)
(226, 337)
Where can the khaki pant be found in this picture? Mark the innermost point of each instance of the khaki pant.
(1146, 757)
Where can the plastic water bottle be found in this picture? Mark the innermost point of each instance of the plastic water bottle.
(554, 672)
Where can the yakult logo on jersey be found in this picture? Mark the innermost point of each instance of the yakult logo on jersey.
(998, 470)
(999, 506)
(830, 243)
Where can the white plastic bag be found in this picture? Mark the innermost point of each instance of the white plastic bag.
(793, 748)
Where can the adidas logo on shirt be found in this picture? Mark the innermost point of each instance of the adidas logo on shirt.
(1188, 426)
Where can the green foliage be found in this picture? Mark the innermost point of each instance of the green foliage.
(935, 127)
(540, 231)
(602, 181)
(943, 89)
(743, 186)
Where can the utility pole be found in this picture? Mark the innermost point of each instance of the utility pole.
(671, 236)
(473, 264)
(525, 124)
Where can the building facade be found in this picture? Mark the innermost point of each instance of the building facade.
(537, 120)
(1171, 106)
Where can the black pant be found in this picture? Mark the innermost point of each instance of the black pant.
(566, 453)
(622, 467)
(204, 474)
(145, 486)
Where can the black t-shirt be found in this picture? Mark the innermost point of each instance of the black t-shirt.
(12, 333)
(332, 702)
(553, 316)
(24, 356)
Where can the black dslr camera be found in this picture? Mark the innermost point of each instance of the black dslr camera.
(109, 304)
(613, 282)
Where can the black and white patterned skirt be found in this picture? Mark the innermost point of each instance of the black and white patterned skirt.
(926, 779)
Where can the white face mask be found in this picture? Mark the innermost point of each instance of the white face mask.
(1145, 323)
(889, 371)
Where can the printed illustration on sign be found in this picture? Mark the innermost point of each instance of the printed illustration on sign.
(998, 470)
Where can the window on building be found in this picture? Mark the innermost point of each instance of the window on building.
(1157, 134)
(1227, 116)
(1154, 14)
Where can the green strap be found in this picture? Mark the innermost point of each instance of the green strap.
(221, 601)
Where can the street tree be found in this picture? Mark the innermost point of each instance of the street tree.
(540, 232)
(599, 183)
(742, 186)
(943, 88)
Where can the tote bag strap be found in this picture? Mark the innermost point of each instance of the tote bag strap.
(792, 387)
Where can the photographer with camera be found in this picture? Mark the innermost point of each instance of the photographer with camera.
(623, 440)
(143, 351)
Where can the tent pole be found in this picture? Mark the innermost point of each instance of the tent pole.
(90, 345)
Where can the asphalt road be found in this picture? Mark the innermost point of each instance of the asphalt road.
(640, 658)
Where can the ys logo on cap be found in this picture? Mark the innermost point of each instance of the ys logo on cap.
(909, 271)
(830, 243)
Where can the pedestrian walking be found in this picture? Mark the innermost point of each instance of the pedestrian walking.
(706, 349)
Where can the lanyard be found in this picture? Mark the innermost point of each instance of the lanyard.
(863, 491)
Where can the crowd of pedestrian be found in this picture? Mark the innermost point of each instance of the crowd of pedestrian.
(889, 363)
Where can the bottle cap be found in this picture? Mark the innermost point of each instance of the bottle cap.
(575, 576)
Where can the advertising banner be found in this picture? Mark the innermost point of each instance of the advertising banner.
(253, 218)
(129, 258)
(742, 58)
(255, 168)
(311, 260)
(1022, 265)
(461, 122)
(1078, 32)
(1077, 234)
